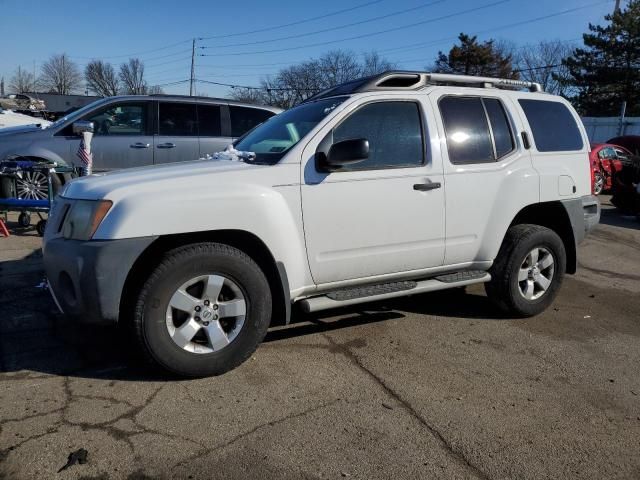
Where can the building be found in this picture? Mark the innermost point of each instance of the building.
(58, 103)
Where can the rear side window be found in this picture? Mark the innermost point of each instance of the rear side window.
(553, 126)
(500, 128)
(467, 130)
(394, 132)
(209, 120)
(244, 119)
(178, 119)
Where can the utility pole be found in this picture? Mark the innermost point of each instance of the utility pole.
(193, 66)
(617, 9)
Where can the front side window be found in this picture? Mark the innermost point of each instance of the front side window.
(553, 126)
(120, 119)
(244, 119)
(275, 137)
(177, 119)
(394, 132)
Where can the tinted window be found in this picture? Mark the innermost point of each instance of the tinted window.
(120, 119)
(209, 120)
(244, 119)
(177, 119)
(394, 132)
(554, 128)
(467, 130)
(499, 122)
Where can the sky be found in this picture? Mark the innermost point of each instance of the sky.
(235, 41)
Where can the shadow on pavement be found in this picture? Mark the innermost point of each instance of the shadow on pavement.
(34, 337)
(611, 216)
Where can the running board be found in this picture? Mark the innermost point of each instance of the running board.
(371, 293)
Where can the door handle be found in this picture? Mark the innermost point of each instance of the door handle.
(139, 145)
(424, 187)
(167, 145)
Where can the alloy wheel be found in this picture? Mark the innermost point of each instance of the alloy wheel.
(32, 186)
(206, 313)
(536, 273)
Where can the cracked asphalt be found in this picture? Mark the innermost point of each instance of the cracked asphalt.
(432, 386)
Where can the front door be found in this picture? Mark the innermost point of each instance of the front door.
(375, 217)
(177, 138)
(121, 137)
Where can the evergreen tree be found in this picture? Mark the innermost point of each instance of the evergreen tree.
(471, 57)
(606, 71)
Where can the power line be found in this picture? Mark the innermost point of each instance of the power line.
(331, 29)
(299, 22)
(502, 27)
(137, 53)
(381, 32)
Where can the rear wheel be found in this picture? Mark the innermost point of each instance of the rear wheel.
(598, 182)
(203, 311)
(528, 271)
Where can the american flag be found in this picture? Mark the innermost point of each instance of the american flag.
(86, 157)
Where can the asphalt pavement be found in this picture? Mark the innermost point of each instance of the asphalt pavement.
(432, 386)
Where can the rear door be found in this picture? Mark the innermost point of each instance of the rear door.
(177, 134)
(489, 176)
(214, 128)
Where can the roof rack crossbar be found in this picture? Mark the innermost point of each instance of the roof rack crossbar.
(411, 80)
(485, 81)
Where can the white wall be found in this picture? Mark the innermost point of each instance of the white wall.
(601, 129)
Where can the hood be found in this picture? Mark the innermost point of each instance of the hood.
(156, 179)
(17, 130)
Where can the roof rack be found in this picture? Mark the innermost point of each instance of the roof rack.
(408, 80)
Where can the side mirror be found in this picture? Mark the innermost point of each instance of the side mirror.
(346, 152)
(82, 126)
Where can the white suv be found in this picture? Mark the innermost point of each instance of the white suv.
(391, 185)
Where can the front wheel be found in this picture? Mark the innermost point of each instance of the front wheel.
(527, 274)
(203, 311)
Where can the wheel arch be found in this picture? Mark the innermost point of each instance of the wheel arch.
(554, 216)
(247, 242)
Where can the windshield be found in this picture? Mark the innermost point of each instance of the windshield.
(75, 115)
(275, 137)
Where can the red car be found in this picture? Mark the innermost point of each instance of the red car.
(606, 159)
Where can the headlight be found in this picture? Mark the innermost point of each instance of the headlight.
(84, 218)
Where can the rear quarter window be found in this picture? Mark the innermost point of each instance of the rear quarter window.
(553, 126)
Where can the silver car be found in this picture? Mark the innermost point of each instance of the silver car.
(134, 131)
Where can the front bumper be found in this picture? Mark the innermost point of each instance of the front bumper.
(86, 279)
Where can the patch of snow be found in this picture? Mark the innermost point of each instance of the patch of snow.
(232, 154)
(9, 118)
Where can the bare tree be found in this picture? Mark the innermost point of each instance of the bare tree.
(2, 86)
(373, 63)
(294, 84)
(101, 78)
(22, 81)
(542, 63)
(60, 75)
(132, 77)
(155, 90)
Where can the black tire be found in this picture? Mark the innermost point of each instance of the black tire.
(504, 289)
(7, 187)
(24, 219)
(179, 266)
(40, 227)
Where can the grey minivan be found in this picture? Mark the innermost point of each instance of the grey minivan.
(133, 131)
